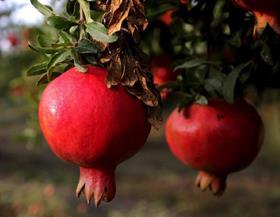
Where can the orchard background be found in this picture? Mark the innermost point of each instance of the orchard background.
(35, 183)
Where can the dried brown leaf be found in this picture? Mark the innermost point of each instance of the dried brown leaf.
(119, 11)
(115, 73)
(126, 63)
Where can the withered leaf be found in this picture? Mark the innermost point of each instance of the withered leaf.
(114, 76)
(126, 63)
(119, 11)
(126, 66)
(130, 12)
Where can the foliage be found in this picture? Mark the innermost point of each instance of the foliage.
(98, 33)
(213, 45)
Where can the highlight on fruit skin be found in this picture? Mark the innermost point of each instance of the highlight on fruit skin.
(265, 11)
(94, 127)
(216, 139)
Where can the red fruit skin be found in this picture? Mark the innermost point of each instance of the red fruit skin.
(97, 128)
(218, 138)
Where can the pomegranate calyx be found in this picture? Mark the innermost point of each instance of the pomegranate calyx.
(216, 184)
(97, 183)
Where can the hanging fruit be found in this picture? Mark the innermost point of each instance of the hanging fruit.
(217, 139)
(97, 110)
(94, 127)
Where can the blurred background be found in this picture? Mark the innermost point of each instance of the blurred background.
(33, 182)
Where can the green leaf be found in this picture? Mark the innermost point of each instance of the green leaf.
(55, 60)
(214, 80)
(86, 10)
(99, 32)
(70, 7)
(195, 63)
(266, 55)
(58, 58)
(85, 46)
(97, 15)
(44, 9)
(44, 50)
(185, 100)
(230, 82)
(91, 59)
(44, 78)
(60, 23)
(44, 40)
(77, 63)
(66, 37)
(37, 69)
(158, 11)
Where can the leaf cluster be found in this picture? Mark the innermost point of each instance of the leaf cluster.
(214, 49)
(79, 40)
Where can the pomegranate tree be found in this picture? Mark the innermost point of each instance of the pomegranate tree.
(216, 139)
(94, 127)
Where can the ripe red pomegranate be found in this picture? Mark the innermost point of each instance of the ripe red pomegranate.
(13, 40)
(216, 139)
(266, 11)
(167, 18)
(97, 128)
(161, 67)
(184, 2)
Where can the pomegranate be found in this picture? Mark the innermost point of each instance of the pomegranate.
(13, 40)
(266, 11)
(184, 2)
(167, 18)
(161, 68)
(97, 128)
(216, 139)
